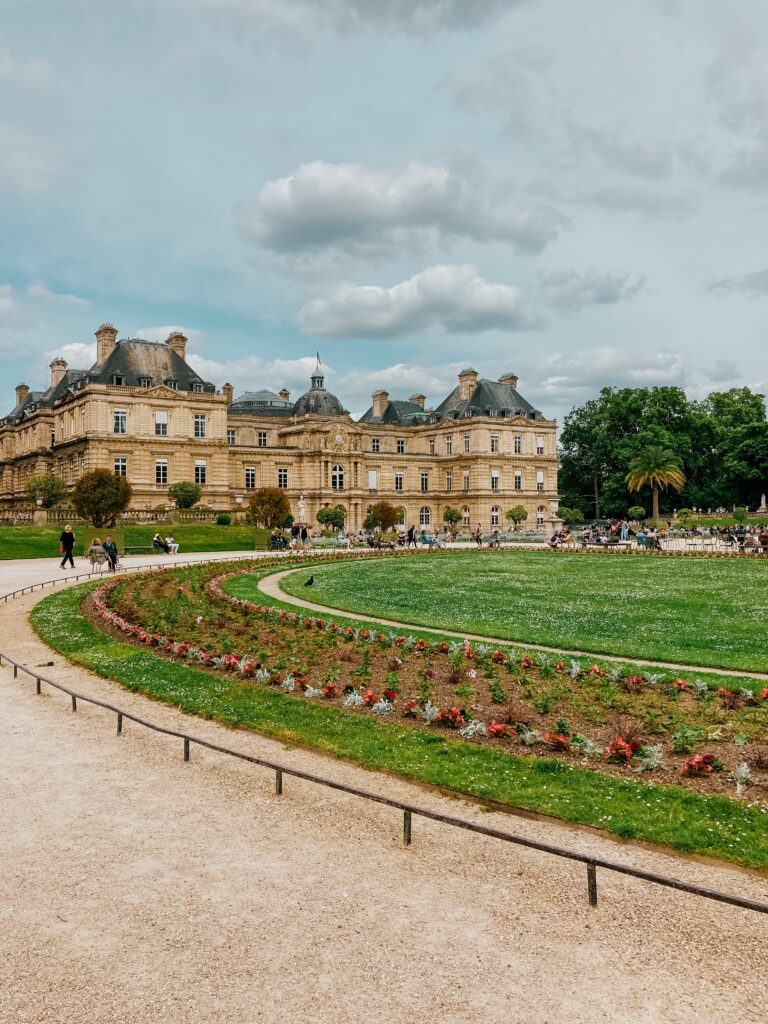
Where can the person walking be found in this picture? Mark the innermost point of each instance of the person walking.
(110, 549)
(411, 536)
(66, 546)
(479, 536)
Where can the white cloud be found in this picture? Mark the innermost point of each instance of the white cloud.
(452, 297)
(79, 356)
(39, 292)
(570, 291)
(754, 283)
(567, 376)
(251, 373)
(354, 208)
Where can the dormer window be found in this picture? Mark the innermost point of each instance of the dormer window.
(197, 386)
(118, 379)
(145, 382)
(171, 383)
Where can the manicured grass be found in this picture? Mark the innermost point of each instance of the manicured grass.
(691, 610)
(43, 541)
(684, 820)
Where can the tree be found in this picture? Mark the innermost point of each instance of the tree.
(48, 487)
(685, 515)
(636, 512)
(517, 514)
(332, 517)
(269, 506)
(382, 516)
(658, 467)
(451, 516)
(99, 497)
(185, 493)
(570, 515)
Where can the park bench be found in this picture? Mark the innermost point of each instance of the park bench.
(138, 549)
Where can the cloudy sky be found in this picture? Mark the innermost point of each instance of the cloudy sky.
(575, 192)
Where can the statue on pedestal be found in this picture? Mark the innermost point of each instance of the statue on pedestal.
(763, 507)
(301, 505)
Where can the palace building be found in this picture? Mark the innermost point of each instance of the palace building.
(141, 411)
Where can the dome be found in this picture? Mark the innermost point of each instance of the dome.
(318, 400)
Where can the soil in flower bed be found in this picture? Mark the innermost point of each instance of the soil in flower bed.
(526, 703)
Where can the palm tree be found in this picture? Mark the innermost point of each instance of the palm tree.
(659, 467)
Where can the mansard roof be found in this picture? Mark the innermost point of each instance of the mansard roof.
(262, 403)
(134, 359)
(489, 398)
(396, 412)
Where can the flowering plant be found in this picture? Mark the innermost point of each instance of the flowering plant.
(453, 718)
(498, 729)
(702, 764)
(527, 662)
(557, 741)
(619, 750)
(330, 690)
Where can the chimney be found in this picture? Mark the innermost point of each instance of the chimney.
(418, 399)
(229, 391)
(58, 369)
(22, 390)
(467, 384)
(508, 378)
(106, 338)
(380, 400)
(178, 343)
(285, 394)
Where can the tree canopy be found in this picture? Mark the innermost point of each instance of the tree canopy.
(332, 516)
(269, 507)
(722, 444)
(381, 516)
(49, 487)
(99, 497)
(657, 468)
(185, 493)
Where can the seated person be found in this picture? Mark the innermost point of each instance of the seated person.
(159, 543)
(95, 551)
(172, 546)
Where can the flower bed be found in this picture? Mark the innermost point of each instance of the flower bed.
(604, 716)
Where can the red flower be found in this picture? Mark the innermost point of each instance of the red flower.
(557, 741)
(308, 623)
(498, 729)
(429, 673)
(764, 694)
(527, 661)
(443, 646)
(410, 708)
(389, 695)
(498, 657)
(619, 750)
(595, 670)
(450, 717)
(680, 684)
(370, 698)
(559, 666)
(330, 690)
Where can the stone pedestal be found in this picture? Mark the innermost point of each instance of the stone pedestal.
(40, 517)
(554, 524)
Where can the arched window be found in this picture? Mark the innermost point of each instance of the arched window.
(540, 512)
(495, 515)
(425, 515)
(465, 515)
(337, 478)
(400, 514)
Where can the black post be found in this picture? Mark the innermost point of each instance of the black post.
(406, 828)
(15, 671)
(278, 782)
(37, 684)
(186, 748)
(119, 722)
(74, 702)
(592, 883)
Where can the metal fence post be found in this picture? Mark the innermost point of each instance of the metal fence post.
(119, 722)
(37, 684)
(592, 883)
(74, 702)
(278, 782)
(186, 748)
(406, 828)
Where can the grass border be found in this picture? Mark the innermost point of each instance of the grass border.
(714, 826)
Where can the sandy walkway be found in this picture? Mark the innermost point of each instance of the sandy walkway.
(134, 887)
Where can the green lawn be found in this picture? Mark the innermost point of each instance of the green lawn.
(692, 610)
(43, 541)
(684, 820)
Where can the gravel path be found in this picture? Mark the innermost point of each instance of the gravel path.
(270, 586)
(134, 887)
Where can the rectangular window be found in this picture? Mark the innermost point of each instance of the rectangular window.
(161, 424)
(449, 482)
(261, 440)
(465, 481)
(494, 442)
(518, 480)
(172, 384)
(375, 444)
(539, 445)
(398, 481)
(161, 472)
(518, 444)
(400, 446)
(121, 466)
(145, 382)
(199, 424)
(494, 479)
(200, 471)
(466, 444)
(539, 479)
(373, 480)
(449, 445)
(431, 445)
(425, 481)
(120, 421)
(230, 437)
(197, 387)
(282, 479)
(118, 379)
(250, 478)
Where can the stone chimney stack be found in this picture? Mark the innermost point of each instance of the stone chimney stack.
(285, 394)
(380, 400)
(58, 369)
(106, 339)
(509, 378)
(178, 342)
(467, 384)
(229, 391)
(418, 399)
(22, 390)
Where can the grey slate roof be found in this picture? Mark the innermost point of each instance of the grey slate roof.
(262, 403)
(397, 412)
(490, 398)
(132, 358)
(319, 400)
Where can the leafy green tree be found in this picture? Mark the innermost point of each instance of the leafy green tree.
(740, 515)
(570, 515)
(451, 516)
(658, 468)
(185, 493)
(99, 497)
(685, 515)
(48, 487)
(636, 512)
(382, 516)
(332, 517)
(517, 514)
(269, 507)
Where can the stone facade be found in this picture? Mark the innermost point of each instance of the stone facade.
(141, 410)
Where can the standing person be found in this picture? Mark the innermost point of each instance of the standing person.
(479, 536)
(304, 536)
(66, 546)
(111, 551)
(411, 536)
